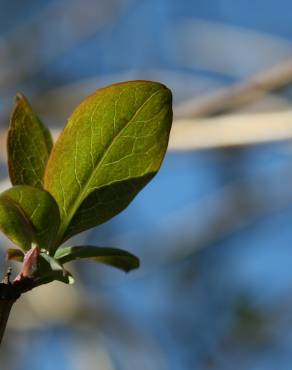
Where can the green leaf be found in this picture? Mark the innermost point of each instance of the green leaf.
(49, 269)
(15, 254)
(29, 144)
(14, 224)
(111, 148)
(29, 215)
(110, 256)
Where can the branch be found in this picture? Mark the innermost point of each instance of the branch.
(238, 95)
(231, 130)
(8, 296)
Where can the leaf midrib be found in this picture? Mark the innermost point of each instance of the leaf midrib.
(83, 194)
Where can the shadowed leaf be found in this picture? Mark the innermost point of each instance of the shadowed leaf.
(112, 146)
(28, 145)
(29, 215)
(110, 256)
(50, 269)
(14, 224)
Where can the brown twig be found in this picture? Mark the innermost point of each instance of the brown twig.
(8, 296)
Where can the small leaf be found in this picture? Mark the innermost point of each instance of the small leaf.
(14, 224)
(14, 254)
(50, 269)
(29, 215)
(111, 148)
(29, 144)
(110, 256)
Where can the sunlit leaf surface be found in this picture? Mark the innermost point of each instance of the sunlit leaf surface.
(111, 148)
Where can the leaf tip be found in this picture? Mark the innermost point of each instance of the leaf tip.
(134, 265)
(19, 101)
(19, 97)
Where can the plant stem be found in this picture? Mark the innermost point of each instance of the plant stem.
(5, 308)
(8, 295)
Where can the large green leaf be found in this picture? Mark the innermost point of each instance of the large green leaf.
(109, 256)
(112, 146)
(29, 144)
(29, 215)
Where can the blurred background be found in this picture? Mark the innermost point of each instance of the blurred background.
(213, 230)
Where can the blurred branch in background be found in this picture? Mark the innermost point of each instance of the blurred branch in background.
(239, 95)
(231, 130)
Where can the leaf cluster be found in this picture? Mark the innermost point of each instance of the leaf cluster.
(112, 146)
